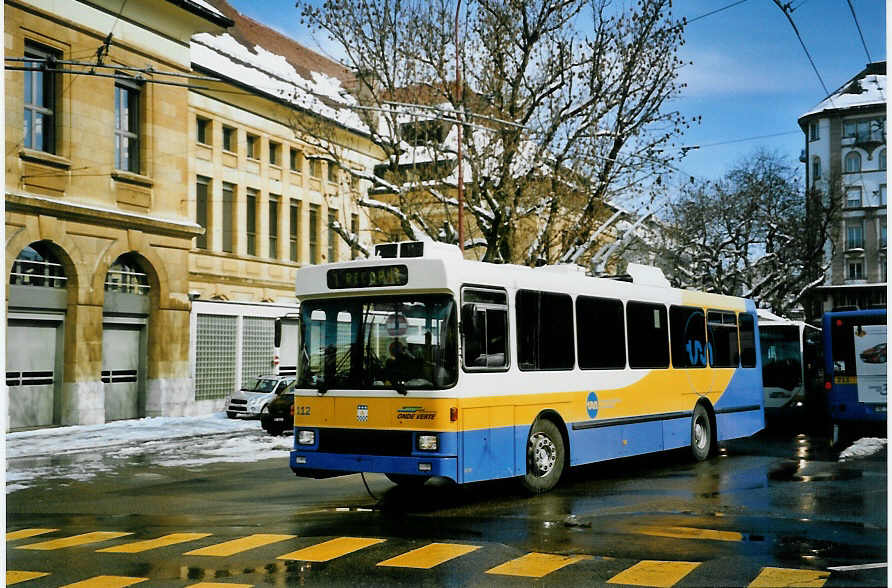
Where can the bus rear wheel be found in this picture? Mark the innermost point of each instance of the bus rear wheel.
(407, 480)
(701, 433)
(545, 457)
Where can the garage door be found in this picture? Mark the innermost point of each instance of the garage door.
(31, 372)
(120, 370)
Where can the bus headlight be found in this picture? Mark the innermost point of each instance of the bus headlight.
(306, 437)
(427, 442)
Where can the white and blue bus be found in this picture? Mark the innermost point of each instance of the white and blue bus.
(424, 364)
(792, 364)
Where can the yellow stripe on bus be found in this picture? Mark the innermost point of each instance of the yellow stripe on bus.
(429, 556)
(769, 577)
(106, 582)
(660, 574)
(166, 540)
(331, 549)
(691, 533)
(75, 540)
(14, 576)
(228, 548)
(25, 533)
(536, 565)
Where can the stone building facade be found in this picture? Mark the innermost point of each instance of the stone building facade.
(845, 151)
(98, 226)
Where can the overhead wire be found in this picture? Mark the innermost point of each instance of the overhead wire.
(732, 5)
(860, 34)
(787, 10)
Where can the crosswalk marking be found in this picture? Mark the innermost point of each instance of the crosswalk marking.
(14, 576)
(106, 582)
(166, 540)
(655, 573)
(74, 540)
(429, 556)
(790, 577)
(536, 565)
(228, 548)
(25, 533)
(331, 549)
(692, 533)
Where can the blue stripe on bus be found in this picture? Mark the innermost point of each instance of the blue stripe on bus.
(847, 395)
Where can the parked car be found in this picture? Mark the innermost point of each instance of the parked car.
(279, 414)
(251, 402)
(876, 354)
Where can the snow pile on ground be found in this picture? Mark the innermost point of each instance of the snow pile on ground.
(863, 448)
(79, 453)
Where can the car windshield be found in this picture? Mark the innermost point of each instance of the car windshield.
(263, 385)
(397, 342)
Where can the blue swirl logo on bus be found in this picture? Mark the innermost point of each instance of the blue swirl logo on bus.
(591, 405)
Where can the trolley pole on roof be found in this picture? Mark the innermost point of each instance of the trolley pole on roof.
(458, 99)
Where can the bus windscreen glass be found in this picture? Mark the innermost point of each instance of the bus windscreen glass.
(394, 342)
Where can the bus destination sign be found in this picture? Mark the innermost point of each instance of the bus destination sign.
(368, 277)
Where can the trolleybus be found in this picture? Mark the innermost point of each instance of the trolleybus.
(420, 363)
(855, 366)
(792, 354)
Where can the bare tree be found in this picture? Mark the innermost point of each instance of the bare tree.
(754, 233)
(563, 110)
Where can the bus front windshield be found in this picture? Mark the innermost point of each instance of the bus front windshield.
(398, 343)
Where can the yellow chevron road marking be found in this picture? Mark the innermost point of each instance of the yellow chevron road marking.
(536, 565)
(331, 549)
(14, 577)
(228, 548)
(691, 533)
(783, 577)
(106, 582)
(429, 556)
(219, 585)
(25, 533)
(75, 540)
(655, 573)
(140, 546)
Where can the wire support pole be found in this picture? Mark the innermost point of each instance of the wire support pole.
(458, 100)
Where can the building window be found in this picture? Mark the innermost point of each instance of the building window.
(815, 169)
(315, 168)
(814, 131)
(855, 270)
(314, 233)
(273, 226)
(40, 98)
(251, 221)
(126, 276)
(202, 190)
(229, 139)
(354, 228)
(275, 153)
(203, 130)
(332, 236)
(332, 171)
(853, 196)
(127, 125)
(293, 217)
(855, 235)
(882, 194)
(853, 162)
(882, 234)
(252, 146)
(228, 204)
(882, 271)
(881, 159)
(294, 160)
(865, 130)
(36, 265)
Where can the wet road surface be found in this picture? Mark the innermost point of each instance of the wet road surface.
(776, 509)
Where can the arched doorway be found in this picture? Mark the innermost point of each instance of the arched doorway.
(125, 314)
(35, 336)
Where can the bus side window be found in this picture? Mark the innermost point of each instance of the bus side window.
(747, 341)
(688, 327)
(648, 335)
(723, 346)
(484, 317)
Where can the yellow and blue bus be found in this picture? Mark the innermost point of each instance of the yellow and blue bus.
(419, 363)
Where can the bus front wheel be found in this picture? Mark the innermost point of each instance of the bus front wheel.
(545, 457)
(701, 433)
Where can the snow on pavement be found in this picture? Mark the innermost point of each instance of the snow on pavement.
(81, 452)
(863, 448)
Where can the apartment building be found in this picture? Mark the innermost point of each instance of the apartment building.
(845, 150)
(98, 227)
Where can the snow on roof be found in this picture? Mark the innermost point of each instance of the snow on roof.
(272, 74)
(865, 89)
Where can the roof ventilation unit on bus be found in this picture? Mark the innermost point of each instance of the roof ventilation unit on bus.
(647, 275)
(417, 249)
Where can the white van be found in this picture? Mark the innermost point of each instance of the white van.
(250, 402)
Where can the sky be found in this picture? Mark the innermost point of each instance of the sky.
(750, 79)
